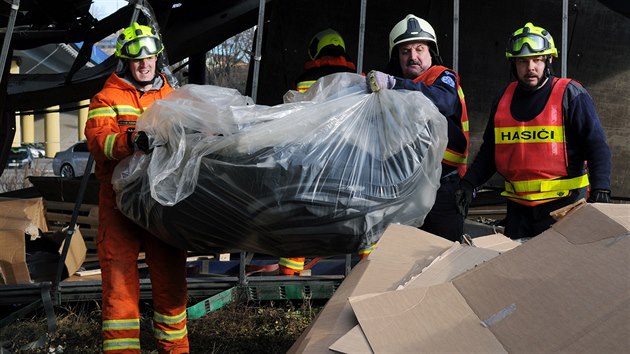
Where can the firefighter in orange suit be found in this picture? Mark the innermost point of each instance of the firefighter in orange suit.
(544, 137)
(415, 64)
(327, 53)
(111, 136)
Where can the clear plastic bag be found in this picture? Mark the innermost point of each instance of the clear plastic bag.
(322, 174)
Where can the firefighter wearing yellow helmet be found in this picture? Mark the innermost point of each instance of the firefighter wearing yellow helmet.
(531, 41)
(327, 53)
(542, 133)
(111, 137)
(138, 42)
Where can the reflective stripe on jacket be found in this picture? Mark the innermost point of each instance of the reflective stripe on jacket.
(295, 263)
(458, 159)
(315, 69)
(532, 155)
(113, 111)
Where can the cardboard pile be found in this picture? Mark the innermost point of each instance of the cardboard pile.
(22, 221)
(566, 290)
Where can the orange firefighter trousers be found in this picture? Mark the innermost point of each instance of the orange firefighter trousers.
(119, 242)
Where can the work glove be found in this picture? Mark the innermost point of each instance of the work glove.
(377, 81)
(463, 197)
(141, 140)
(130, 132)
(599, 196)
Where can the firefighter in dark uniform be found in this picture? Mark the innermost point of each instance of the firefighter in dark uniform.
(327, 53)
(415, 64)
(544, 137)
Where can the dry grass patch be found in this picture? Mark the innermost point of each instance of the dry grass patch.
(271, 327)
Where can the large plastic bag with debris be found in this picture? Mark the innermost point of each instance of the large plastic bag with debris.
(323, 173)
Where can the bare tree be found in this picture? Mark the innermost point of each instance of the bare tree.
(228, 63)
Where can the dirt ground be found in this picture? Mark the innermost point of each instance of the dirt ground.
(236, 328)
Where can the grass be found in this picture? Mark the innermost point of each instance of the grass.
(17, 178)
(236, 328)
(239, 327)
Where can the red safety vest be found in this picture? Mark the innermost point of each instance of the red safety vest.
(451, 157)
(304, 85)
(532, 155)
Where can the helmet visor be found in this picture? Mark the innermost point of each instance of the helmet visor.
(535, 43)
(141, 47)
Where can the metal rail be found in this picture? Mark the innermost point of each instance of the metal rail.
(222, 276)
(15, 6)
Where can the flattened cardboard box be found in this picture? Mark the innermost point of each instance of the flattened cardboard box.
(401, 253)
(455, 261)
(393, 260)
(566, 290)
(26, 216)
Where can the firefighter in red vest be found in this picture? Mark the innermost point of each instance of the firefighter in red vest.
(327, 53)
(544, 137)
(111, 136)
(415, 64)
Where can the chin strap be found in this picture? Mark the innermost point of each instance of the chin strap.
(548, 68)
(144, 83)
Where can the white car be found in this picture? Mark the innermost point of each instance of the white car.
(37, 150)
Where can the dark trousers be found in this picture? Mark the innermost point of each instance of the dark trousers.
(528, 221)
(444, 220)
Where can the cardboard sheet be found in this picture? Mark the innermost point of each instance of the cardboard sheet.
(451, 263)
(430, 320)
(21, 220)
(401, 251)
(564, 291)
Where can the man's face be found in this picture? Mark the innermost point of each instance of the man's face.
(530, 71)
(143, 69)
(414, 58)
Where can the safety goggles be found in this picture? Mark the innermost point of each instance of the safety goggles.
(536, 43)
(141, 47)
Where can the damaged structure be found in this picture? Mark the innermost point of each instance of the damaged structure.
(564, 291)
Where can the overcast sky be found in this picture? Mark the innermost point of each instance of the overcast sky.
(103, 8)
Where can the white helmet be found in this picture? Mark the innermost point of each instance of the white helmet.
(412, 28)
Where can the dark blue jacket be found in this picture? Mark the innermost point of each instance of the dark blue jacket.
(443, 93)
(585, 137)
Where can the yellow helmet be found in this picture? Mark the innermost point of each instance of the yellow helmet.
(327, 37)
(412, 28)
(530, 41)
(138, 42)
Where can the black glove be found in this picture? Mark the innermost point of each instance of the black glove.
(141, 140)
(599, 196)
(463, 197)
(130, 132)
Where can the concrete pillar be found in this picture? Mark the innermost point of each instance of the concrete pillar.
(28, 128)
(15, 69)
(83, 114)
(17, 141)
(52, 131)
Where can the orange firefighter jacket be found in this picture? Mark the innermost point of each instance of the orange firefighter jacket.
(113, 112)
